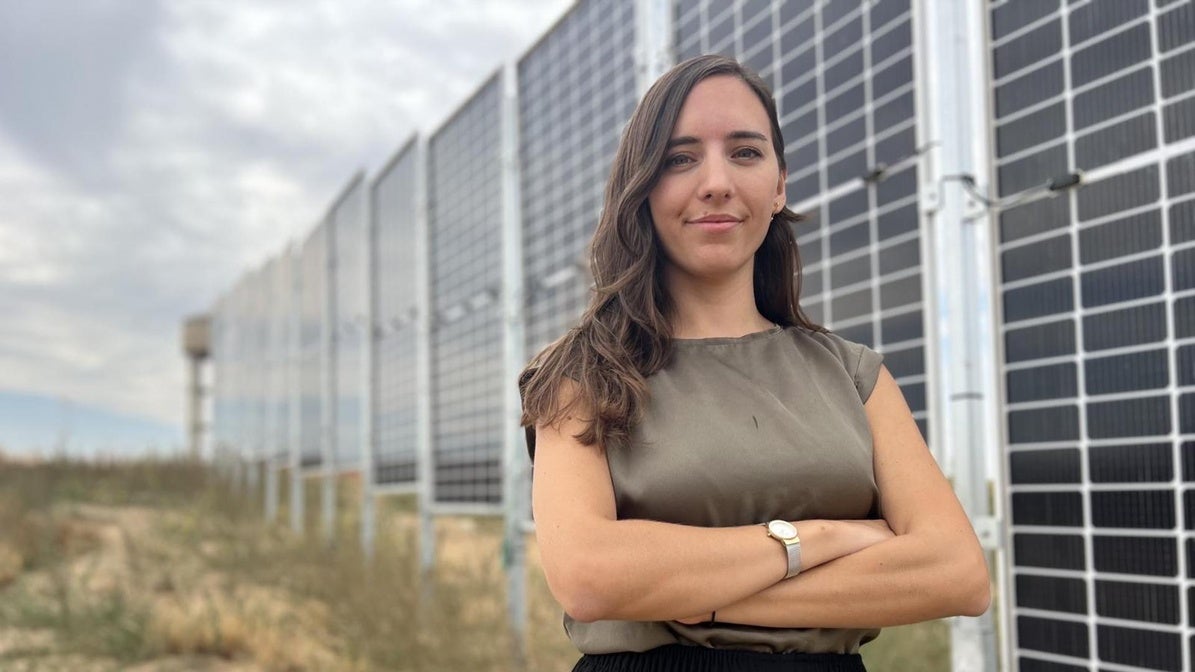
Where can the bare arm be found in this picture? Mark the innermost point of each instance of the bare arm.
(933, 568)
(600, 568)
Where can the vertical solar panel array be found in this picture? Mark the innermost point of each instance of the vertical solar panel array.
(257, 363)
(397, 313)
(246, 373)
(277, 311)
(842, 73)
(313, 269)
(576, 91)
(465, 227)
(250, 371)
(240, 371)
(251, 365)
(1098, 305)
(268, 366)
(232, 362)
(349, 230)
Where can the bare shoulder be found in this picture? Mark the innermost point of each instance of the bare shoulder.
(571, 478)
(574, 417)
(887, 405)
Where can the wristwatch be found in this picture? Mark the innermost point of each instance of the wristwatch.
(786, 533)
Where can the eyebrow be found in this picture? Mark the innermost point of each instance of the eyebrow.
(733, 135)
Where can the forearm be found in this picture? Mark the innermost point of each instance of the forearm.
(906, 579)
(646, 570)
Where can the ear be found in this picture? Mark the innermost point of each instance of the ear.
(780, 192)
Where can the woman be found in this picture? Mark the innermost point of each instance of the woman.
(718, 482)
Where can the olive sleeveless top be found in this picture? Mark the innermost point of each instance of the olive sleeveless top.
(739, 431)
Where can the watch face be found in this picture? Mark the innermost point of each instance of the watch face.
(782, 529)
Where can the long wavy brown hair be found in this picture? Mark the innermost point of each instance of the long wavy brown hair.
(625, 334)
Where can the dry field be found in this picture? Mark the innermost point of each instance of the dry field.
(160, 567)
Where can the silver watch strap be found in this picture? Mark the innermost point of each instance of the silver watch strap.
(794, 558)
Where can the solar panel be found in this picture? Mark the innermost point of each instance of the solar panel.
(464, 211)
(234, 371)
(313, 307)
(278, 298)
(249, 348)
(397, 310)
(237, 379)
(1095, 287)
(349, 321)
(577, 89)
(223, 374)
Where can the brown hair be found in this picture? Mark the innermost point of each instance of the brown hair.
(625, 334)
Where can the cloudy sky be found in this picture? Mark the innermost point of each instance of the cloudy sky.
(152, 151)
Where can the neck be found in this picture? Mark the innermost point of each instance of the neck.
(714, 307)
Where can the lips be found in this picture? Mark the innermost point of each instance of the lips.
(715, 219)
(715, 223)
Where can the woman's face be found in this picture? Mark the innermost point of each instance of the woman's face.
(721, 182)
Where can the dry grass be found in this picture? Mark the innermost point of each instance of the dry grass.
(263, 625)
(158, 567)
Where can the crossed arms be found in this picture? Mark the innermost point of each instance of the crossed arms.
(925, 563)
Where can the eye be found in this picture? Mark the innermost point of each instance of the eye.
(677, 160)
(747, 153)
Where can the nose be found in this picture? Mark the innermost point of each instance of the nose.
(716, 184)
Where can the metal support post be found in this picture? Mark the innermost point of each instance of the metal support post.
(298, 498)
(271, 490)
(653, 41)
(952, 66)
(515, 466)
(423, 367)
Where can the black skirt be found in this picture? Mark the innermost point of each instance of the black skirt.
(681, 658)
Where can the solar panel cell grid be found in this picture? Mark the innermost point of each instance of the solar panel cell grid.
(1097, 375)
(577, 89)
(465, 257)
(351, 289)
(313, 288)
(395, 404)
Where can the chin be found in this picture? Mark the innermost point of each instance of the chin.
(715, 269)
